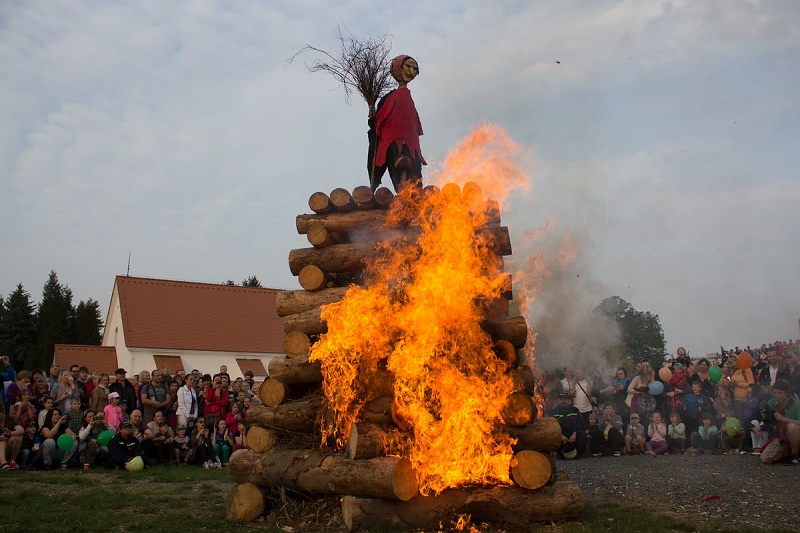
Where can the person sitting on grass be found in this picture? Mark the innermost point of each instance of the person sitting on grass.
(29, 452)
(75, 415)
(24, 411)
(657, 431)
(696, 404)
(240, 440)
(89, 448)
(222, 441)
(758, 436)
(787, 413)
(123, 447)
(55, 426)
(607, 438)
(634, 438)
(676, 433)
(180, 445)
(200, 444)
(704, 440)
(10, 440)
(573, 437)
(42, 416)
(157, 438)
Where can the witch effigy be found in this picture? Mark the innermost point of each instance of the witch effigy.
(395, 130)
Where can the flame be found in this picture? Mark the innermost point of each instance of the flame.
(419, 318)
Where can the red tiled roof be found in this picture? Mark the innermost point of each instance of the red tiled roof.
(181, 315)
(252, 364)
(173, 362)
(100, 358)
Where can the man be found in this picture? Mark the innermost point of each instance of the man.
(123, 447)
(573, 437)
(55, 376)
(80, 375)
(125, 390)
(583, 399)
(395, 131)
(137, 423)
(787, 414)
(607, 438)
(772, 373)
(155, 396)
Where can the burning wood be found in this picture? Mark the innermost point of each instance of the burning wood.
(422, 382)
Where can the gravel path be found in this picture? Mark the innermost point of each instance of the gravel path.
(752, 494)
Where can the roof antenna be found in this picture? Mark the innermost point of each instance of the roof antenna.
(127, 274)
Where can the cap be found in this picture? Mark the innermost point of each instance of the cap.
(677, 365)
(120, 371)
(634, 415)
(180, 427)
(113, 395)
(563, 395)
(126, 425)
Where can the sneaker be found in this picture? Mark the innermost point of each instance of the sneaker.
(13, 465)
(651, 454)
(207, 465)
(793, 460)
(63, 468)
(617, 454)
(597, 454)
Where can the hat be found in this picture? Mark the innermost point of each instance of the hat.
(677, 365)
(120, 371)
(180, 427)
(126, 425)
(756, 424)
(113, 395)
(563, 395)
(634, 415)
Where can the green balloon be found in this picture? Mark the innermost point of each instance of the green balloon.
(65, 442)
(105, 437)
(715, 373)
(732, 425)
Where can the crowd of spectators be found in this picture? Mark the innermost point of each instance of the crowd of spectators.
(74, 418)
(741, 401)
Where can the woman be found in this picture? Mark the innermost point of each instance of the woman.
(639, 399)
(701, 375)
(201, 451)
(144, 380)
(14, 390)
(55, 426)
(172, 409)
(741, 379)
(793, 369)
(24, 411)
(568, 383)
(39, 391)
(99, 398)
(188, 406)
(63, 392)
(216, 403)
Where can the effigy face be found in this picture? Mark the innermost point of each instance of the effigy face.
(410, 70)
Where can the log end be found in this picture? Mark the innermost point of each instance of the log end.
(532, 470)
(405, 483)
(245, 503)
(274, 392)
(261, 439)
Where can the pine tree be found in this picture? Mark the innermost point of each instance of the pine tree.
(87, 323)
(55, 318)
(18, 327)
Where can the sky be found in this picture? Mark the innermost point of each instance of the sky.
(661, 138)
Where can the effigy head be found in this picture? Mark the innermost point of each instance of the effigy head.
(404, 69)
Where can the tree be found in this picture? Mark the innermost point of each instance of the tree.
(252, 281)
(55, 318)
(229, 282)
(640, 331)
(17, 327)
(87, 323)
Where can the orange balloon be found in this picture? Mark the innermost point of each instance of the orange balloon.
(744, 361)
(665, 374)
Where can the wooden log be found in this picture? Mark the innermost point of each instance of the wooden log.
(298, 416)
(273, 392)
(319, 237)
(342, 222)
(309, 322)
(532, 470)
(495, 308)
(261, 439)
(378, 411)
(319, 202)
(296, 344)
(245, 503)
(399, 420)
(519, 411)
(342, 200)
(296, 371)
(366, 441)
(524, 380)
(505, 505)
(542, 435)
(293, 302)
(514, 330)
(363, 197)
(350, 257)
(383, 198)
(505, 351)
(312, 278)
(313, 472)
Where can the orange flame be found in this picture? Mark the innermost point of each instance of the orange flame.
(420, 319)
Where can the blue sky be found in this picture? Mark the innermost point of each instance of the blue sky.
(662, 137)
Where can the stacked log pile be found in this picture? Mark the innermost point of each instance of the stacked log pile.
(343, 231)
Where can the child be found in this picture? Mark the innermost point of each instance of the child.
(48, 405)
(704, 440)
(758, 436)
(592, 430)
(75, 415)
(657, 431)
(113, 411)
(222, 442)
(697, 403)
(180, 444)
(200, 444)
(676, 433)
(634, 438)
(240, 440)
(24, 411)
(678, 386)
(29, 452)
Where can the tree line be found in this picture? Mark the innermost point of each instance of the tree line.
(29, 332)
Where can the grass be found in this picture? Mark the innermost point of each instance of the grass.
(191, 499)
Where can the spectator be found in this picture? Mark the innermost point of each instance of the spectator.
(13, 390)
(573, 438)
(567, 384)
(99, 397)
(143, 379)
(55, 426)
(583, 394)
(125, 389)
(24, 411)
(7, 373)
(793, 373)
(90, 449)
(180, 446)
(157, 438)
(54, 378)
(657, 431)
(758, 436)
(29, 452)
(138, 424)
(200, 443)
(608, 439)
(774, 371)
(639, 399)
(154, 396)
(786, 411)
(697, 404)
(678, 386)
(75, 416)
(724, 402)
(635, 436)
(704, 440)
(42, 417)
(222, 442)
(240, 440)
(701, 375)
(85, 386)
(10, 440)
(742, 379)
(123, 447)
(232, 419)
(676, 433)
(63, 392)
(216, 400)
(113, 411)
(39, 391)
(172, 408)
(188, 407)
(248, 378)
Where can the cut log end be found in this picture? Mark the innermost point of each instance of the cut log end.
(405, 480)
(296, 344)
(319, 202)
(274, 392)
(245, 503)
(312, 278)
(519, 411)
(532, 470)
(342, 200)
(261, 439)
